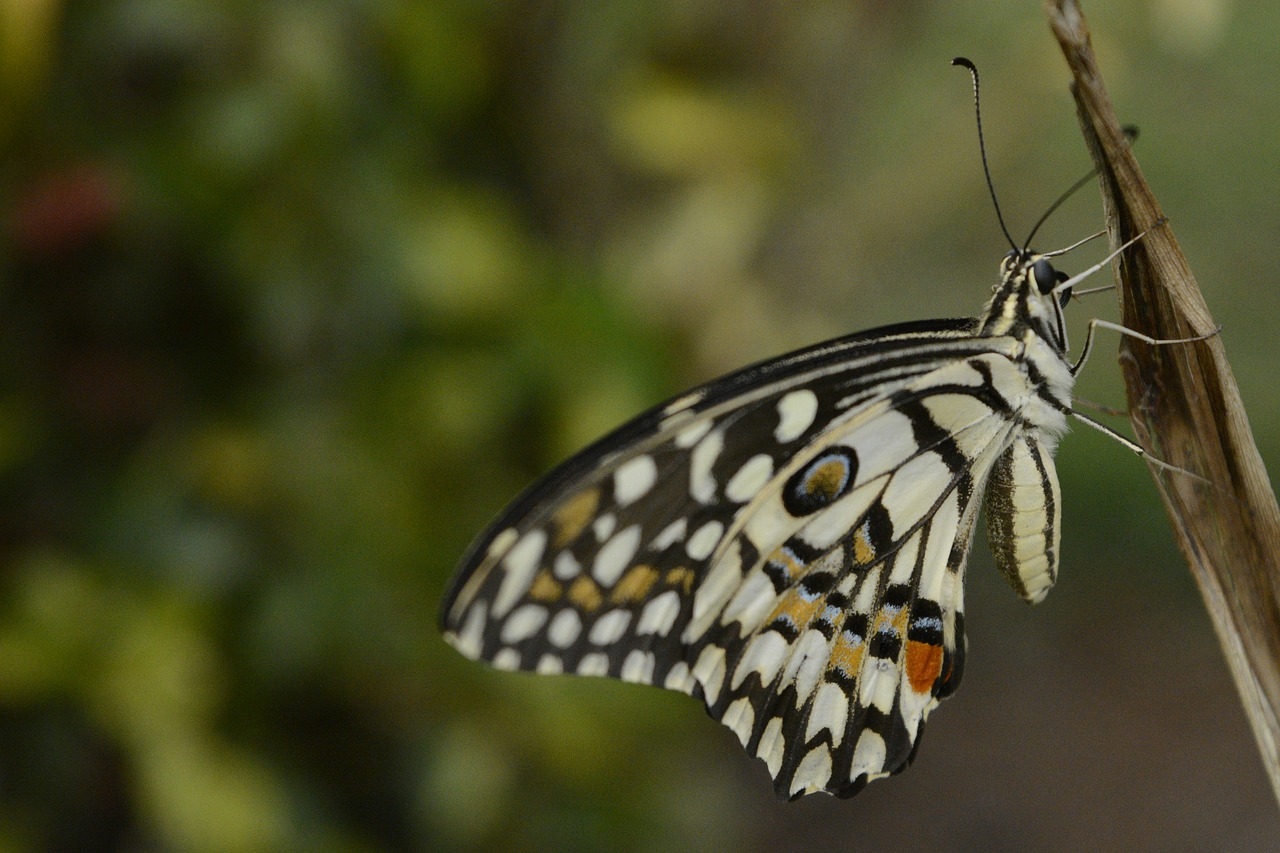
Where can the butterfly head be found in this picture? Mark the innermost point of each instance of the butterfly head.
(1029, 297)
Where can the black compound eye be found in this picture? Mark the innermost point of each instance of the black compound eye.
(1045, 275)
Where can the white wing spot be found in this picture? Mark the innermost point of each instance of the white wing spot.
(764, 654)
(638, 667)
(470, 639)
(750, 478)
(691, 435)
(521, 563)
(566, 566)
(702, 483)
(807, 663)
(795, 412)
(769, 522)
(773, 746)
(603, 526)
(740, 717)
(634, 479)
(502, 542)
(830, 711)
(709, 670)
(679, 678)
(550, 665)
(670, 535)
(880, 684)
(715, 589)
(610, 627)
(867, 592)
(814, 771)
(593, 664)
(752, 603)
(868, 755)
(506, 659)
(565, 628)
(616, 555)
(683, 402)
(659, 614)
(704, 540)
(523, 623)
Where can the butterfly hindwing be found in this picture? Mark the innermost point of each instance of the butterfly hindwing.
(827, 655)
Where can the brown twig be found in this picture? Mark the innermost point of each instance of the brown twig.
(1185, 406)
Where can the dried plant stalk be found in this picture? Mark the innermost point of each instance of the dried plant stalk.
(1186, 408)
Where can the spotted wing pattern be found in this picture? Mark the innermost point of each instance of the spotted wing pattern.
(787, 544)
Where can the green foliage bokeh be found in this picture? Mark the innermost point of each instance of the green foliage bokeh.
(294, 297)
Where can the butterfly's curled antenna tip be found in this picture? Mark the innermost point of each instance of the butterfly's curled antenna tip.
(982, 146)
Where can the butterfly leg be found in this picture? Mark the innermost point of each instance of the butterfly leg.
(1124, 330)
(1134, 446)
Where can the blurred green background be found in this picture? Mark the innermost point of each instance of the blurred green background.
(295, 296)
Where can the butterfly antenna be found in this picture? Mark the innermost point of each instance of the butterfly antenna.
(1057, 204)
(1131, 132)
(982, 147)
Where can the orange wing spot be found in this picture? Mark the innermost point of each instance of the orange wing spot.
(795, 608)
(863, 552)
(585, 593)
(545, 588)
(825, 480)
(924, 665)
(634, 585)
(847, 656)
(574, 515)
(681, 578)
(792, 566)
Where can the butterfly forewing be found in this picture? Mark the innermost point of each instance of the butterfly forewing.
(787, 543)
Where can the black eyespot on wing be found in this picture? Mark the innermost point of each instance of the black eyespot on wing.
(821, 482)
(1046, 277)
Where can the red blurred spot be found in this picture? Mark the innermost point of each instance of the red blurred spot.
(66, 210)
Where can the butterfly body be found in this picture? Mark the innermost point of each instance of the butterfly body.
(788, 543)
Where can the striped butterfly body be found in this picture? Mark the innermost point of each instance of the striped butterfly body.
(788, 543)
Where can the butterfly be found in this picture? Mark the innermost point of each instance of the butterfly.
(788, 543)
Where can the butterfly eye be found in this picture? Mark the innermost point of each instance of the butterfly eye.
(1046, 277)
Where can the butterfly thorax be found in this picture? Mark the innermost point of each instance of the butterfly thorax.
(1026, 308)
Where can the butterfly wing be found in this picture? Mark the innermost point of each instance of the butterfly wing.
(829, 653)
(797, 523)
